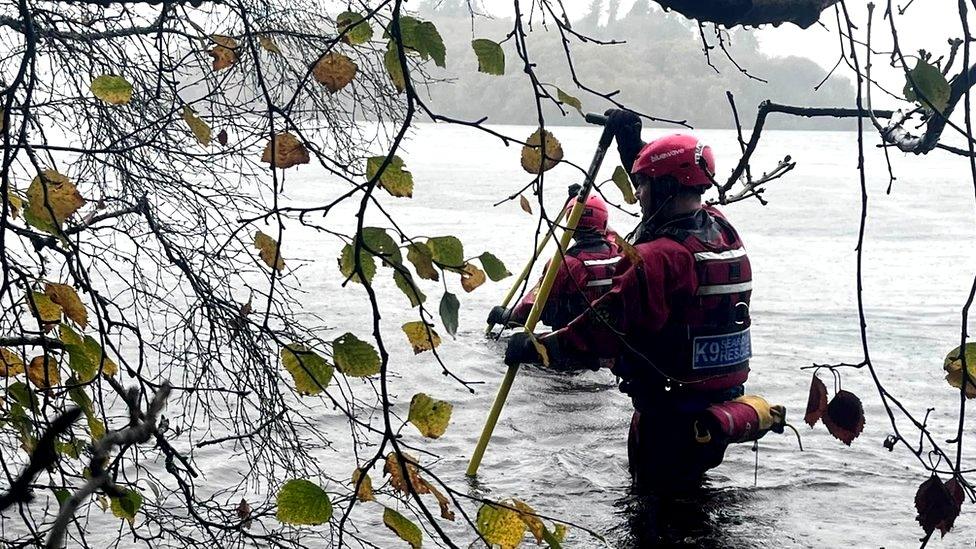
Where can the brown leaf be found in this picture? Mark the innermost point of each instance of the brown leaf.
(524, 203)
(938, 504)
(289, 151)
(531, 519)
(442, 500)
(268, 44)
(223, 57)
(816, 402)
(43, 372)
(472, 277)
(70, 303)
(10, 363)
(270, 252)
(335, 71)
(844, 417)
(397, 479)
(222, 137)
(244, 513)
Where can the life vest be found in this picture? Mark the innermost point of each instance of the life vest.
(705, 345)
(590, 265)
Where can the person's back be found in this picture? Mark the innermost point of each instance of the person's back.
(676, 319)
(586, 273)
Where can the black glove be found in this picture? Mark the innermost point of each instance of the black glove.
(521, 350)
(499, 315)
(626, 128)
(625, 125)
(574, 190)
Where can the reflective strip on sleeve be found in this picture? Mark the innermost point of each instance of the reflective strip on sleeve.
(609, 261)
(599, 282)
(712, 256)
(717, 289)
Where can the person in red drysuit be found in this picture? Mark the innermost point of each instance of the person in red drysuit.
(584, 276)
(676, 317)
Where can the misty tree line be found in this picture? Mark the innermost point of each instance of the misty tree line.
(657, 66)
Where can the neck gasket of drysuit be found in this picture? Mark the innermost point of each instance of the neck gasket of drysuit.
(705, 344)
(590, 261)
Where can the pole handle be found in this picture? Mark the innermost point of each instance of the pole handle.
(596, 119)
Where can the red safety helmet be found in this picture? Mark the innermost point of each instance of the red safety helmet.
(680, 156)
(595, 213)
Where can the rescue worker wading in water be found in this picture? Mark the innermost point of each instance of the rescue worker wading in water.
(676, 318)
(585, 275)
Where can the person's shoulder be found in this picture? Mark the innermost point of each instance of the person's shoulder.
(661, 248)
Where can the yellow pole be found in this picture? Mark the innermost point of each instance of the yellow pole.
(528, 266)
(543, 295)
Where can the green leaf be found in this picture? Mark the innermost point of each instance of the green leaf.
(302, 502)
(953, 368)
(423, 261)
(23, 396)
(127, 506)
(347, 265)
(430, 416)
(401, 525)
(359, 31)
(111, 89)
(494, 267)
(569, 100)
(382, 245)
(409, 288)
(449, 312)
(396, 180)
(71, 449)
(928, 83)
(199, 128)
(310, 371)
(80, 397)
(423, 38)
(391, 60)
(622, 181)
(95, 352)
(491, 57)
(40, 222)
(48, 311)
(78, 358)
(62, 495)
(447, 251)
(355, 357)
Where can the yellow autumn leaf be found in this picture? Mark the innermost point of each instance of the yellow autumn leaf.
(269, 251)
(289, 151)
(421, 336)
(335, 71)
(500, 526)
(43, 372)
(269, 44)
(472, 277)
(70, 303)
(365, 490)
(953, 368)
(15, 203)
(532, 157)
(531, 519)
(429, 415)
(10, 363)
(52, 190)
(43, 308)
(199, 128)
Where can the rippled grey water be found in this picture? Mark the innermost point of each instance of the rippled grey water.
(561, 441)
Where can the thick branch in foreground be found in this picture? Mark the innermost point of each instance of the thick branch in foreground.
(731, 13)
(41, 458)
